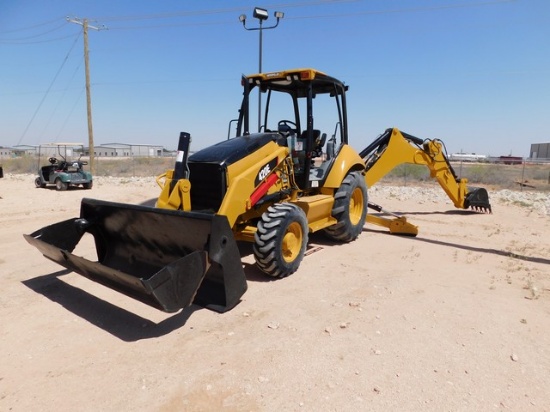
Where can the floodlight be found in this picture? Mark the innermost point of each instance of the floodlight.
(260, 14)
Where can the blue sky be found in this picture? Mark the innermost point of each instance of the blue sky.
(473, 73)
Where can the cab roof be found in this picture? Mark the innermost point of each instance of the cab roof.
(297, 81)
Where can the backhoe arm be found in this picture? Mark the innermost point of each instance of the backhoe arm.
(393, 148)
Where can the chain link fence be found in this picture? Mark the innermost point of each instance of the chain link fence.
(521, 174)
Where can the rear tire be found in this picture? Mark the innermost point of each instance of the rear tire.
(281, 240)
(60, 185)
(350, 209)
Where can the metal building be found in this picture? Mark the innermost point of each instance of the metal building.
(540, 151)
(128, 150)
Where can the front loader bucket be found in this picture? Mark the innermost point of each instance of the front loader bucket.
(477, 198)
(168, 259)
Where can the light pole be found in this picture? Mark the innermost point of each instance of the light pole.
(261, 15)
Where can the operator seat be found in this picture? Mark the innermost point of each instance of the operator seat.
(320, 140)
(317, 138)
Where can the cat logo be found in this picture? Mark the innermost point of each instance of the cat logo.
(265, 171)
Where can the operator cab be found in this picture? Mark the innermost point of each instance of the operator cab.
(304, 106)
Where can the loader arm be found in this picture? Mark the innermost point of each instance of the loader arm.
(393, 148)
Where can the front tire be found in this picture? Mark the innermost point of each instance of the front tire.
(281, 240)
(38, 183)
(350, 209)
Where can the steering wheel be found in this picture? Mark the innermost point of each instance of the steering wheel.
(284, 127)
(52, 160)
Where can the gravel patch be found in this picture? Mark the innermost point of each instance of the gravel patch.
(538, 202)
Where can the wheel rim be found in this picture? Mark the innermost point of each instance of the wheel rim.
(292, 242)
(356, 206)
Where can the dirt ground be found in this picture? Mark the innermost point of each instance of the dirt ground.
(456, 319)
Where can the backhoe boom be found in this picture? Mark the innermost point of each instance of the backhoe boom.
(393, 148)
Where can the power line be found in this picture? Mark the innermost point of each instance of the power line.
(37, 41)
(176, 14)
(188, 13)
(33, 26)
(304, 17)
(409, 10)
(47, 91)
(43, 33)
(63, 94)
(30, 38)
(70, 113)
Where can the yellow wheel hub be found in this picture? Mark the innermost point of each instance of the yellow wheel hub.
(292, 242)
(356, 205)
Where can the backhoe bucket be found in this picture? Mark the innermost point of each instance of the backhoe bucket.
(168, 259)
(478, 199)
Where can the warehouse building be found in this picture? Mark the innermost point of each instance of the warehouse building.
(128, 150)
(540, 151)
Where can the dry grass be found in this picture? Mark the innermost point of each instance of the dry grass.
(496, 176)
(139, 166)
(533, 176)
(122, 167)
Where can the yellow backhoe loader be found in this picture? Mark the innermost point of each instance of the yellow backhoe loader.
(271, 188)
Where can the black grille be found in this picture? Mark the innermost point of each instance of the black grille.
(208, 186)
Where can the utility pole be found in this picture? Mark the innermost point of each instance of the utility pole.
(85, 27)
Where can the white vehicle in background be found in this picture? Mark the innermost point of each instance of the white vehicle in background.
(468, 157)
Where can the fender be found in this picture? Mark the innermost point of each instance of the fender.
(347, 160)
